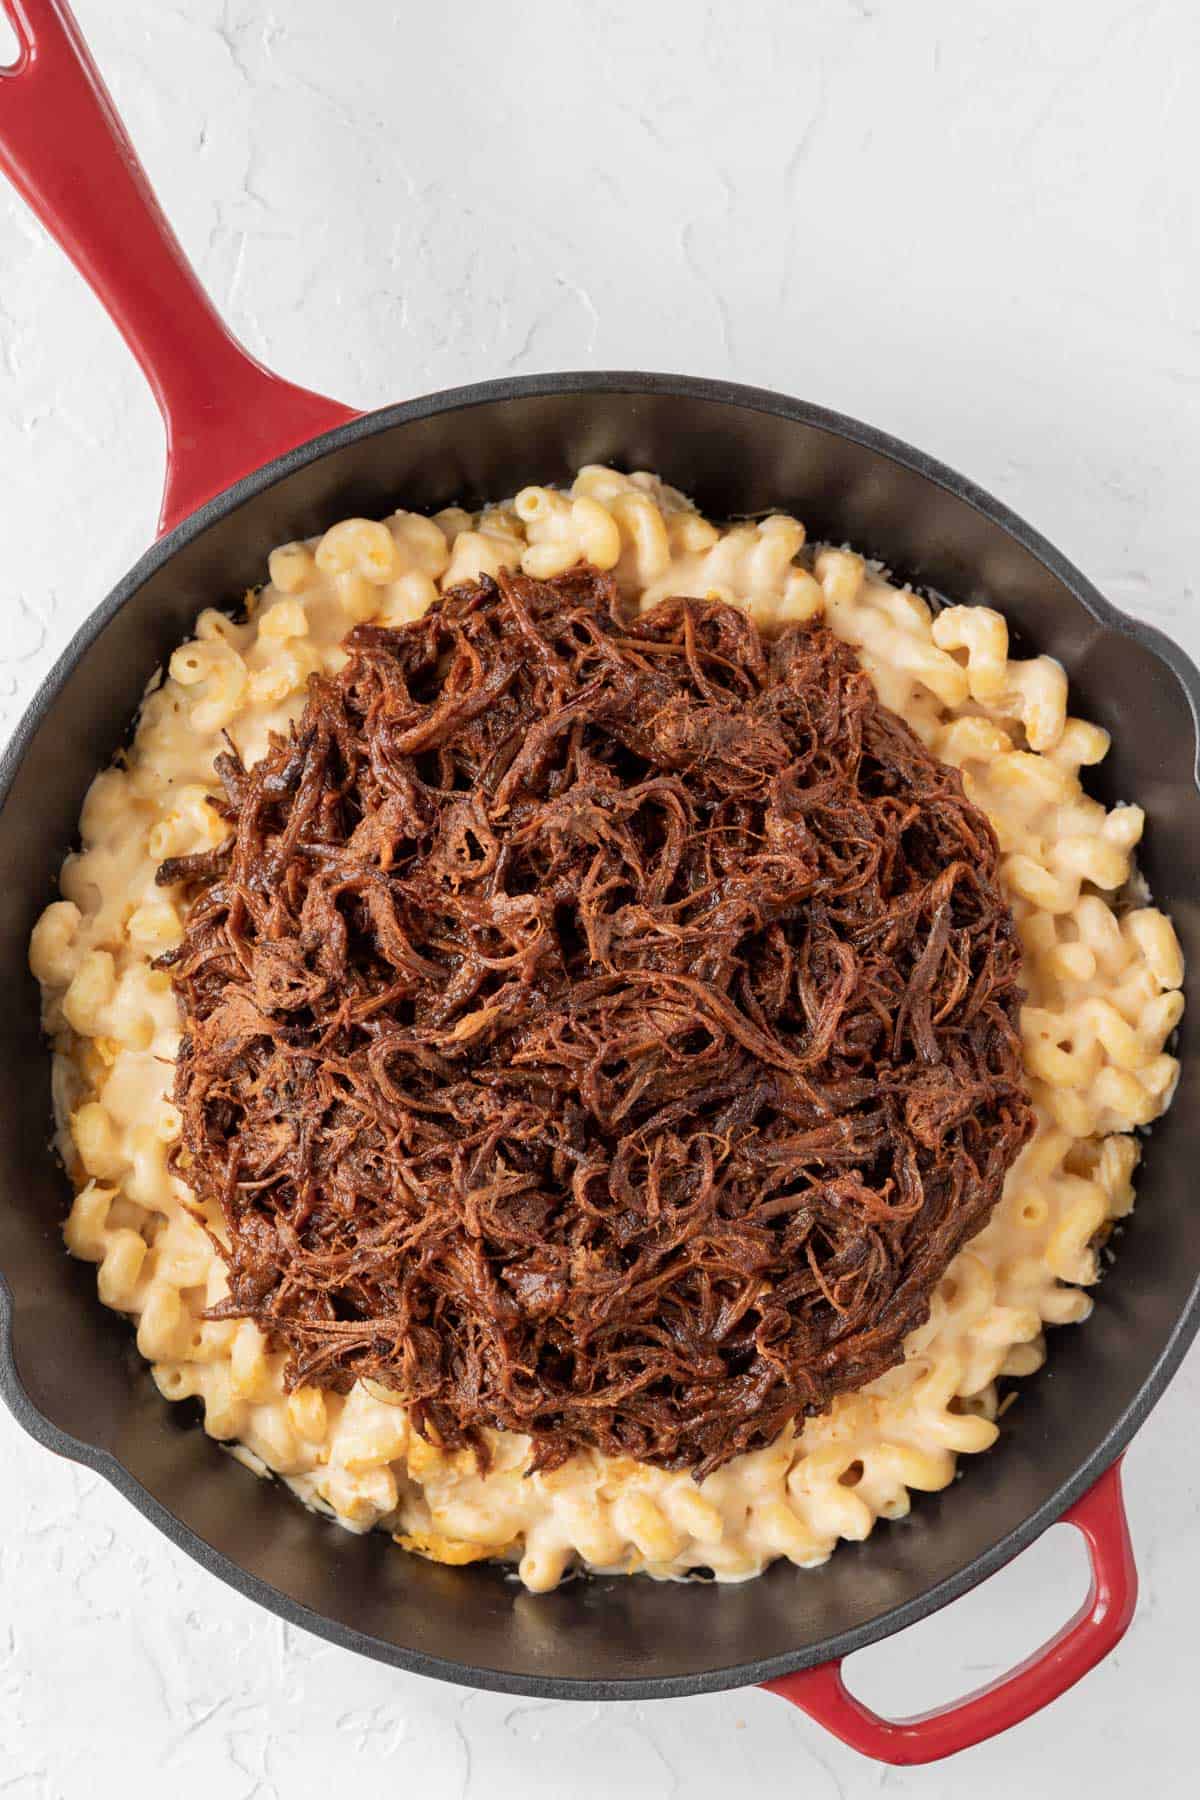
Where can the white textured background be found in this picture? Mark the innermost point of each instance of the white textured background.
(974, 225)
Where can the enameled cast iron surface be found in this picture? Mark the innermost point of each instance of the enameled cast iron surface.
(68, 1366)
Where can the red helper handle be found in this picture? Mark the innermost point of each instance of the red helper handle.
(1096, 1629)
(66, 152)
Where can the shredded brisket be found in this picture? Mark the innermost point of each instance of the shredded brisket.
(596, 1027)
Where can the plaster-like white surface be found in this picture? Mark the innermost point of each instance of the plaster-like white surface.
(974, 225)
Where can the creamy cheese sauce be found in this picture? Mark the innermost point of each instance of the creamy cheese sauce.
(1102, 979)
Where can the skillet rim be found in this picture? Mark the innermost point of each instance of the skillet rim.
(463, 399)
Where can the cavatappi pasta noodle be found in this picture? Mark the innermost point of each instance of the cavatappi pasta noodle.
(1103, 982)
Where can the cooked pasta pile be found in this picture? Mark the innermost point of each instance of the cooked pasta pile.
(1102, 980)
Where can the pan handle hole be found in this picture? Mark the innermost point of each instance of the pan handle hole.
(12, 50)
(980, 1638)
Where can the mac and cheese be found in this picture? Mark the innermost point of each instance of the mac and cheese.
(1103, 982)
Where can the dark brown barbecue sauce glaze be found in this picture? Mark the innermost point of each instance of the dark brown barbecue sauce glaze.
(596, 1027)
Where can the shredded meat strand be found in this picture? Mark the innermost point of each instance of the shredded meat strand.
(595, 1027)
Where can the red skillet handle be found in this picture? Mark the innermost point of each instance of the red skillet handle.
(65, 150)
(1095, 1630)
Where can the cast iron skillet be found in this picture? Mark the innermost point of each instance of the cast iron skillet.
(253, 461)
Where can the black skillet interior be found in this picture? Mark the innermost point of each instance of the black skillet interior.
(73, 1376)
